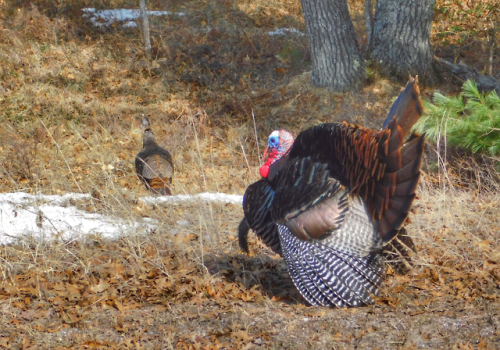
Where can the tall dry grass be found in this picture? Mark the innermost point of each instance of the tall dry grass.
(70, 118)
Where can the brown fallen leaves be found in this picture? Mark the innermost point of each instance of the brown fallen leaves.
(119, 283)
(130, 289)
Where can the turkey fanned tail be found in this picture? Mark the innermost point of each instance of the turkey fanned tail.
(376, 165)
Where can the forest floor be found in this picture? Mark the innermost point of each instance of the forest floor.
(71, 98)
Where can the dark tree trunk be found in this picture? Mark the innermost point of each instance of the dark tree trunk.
(400, 40)
(337, 60)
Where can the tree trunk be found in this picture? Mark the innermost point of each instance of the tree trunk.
(336, 58)
(145, 28)
(400, 40)
(368, 21)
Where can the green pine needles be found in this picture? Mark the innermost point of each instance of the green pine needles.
(470, 120)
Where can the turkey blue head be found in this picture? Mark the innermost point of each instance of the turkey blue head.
(280, 142)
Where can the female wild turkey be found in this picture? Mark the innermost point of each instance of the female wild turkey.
(154, 164)
(329, 201)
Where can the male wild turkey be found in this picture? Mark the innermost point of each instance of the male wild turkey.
(154, 164)
(329, 201)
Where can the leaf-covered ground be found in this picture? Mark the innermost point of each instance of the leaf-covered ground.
(187, 286)
(71, 97)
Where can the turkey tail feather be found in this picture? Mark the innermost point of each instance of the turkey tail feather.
(159, 186)
(165, 191)
(398, 252)
(407, 107)
(402, 159)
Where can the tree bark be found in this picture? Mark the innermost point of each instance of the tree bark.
(368, 21)
(145, 28)
(336, 58)
(400, 42)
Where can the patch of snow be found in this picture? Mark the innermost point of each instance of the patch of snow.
(47, 217)
(23, 198)
(205, 197)
(24, 215)
(284, 31)
(104, 18)
(130, 24)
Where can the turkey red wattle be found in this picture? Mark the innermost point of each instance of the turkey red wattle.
(268, 160)
(264, 170)
(280, 142)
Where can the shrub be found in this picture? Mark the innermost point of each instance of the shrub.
(470, 120)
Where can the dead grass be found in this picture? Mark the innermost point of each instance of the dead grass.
(69, 121)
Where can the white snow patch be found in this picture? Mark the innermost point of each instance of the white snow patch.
(283, 31)
(130, 24)
(104, 18)
(205, 196)
(47, 217)
(50, 217)
(23, 198)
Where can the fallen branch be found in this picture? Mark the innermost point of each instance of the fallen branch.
(463, 72)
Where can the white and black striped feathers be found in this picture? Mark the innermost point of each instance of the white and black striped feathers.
(334, 198)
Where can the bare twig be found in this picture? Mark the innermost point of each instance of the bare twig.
(202, 167)
(492, 40)
(245, 156)
(256, 137)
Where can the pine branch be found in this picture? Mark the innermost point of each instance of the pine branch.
(470, 120)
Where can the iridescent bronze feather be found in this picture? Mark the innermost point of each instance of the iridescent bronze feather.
(331, 201)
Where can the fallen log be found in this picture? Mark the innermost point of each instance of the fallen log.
(463, 72)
